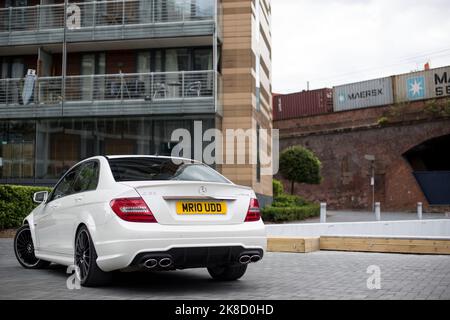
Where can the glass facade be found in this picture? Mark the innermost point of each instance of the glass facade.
(17, 149)
(40, 151)
(175, 59)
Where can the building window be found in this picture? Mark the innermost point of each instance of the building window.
(257, 36)
(17, 145)
(16, 3)
(177, 59)
(144, 61)
(62, 143)
(258, 155)
(203, 8)
(91, 64)
(203, 59)
(258, 98)
(150, 61)
(12, 67)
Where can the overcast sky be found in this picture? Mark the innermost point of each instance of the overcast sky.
(331, 42)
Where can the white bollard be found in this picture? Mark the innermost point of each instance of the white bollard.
(323, 212)
(419, 210)
(377, 211)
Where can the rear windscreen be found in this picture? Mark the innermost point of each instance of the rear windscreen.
(154, 169)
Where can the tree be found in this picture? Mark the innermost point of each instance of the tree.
(298, 164)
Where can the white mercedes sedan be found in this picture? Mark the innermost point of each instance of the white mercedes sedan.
(129, 213)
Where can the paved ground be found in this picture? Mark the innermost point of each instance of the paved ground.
(354, 216)
(319, 275)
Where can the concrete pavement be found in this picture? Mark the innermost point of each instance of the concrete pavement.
(318, 275)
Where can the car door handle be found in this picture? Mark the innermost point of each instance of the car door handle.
(78, 199)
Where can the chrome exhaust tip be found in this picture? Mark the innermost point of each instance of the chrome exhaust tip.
(150, 263)
(244, 259)
(165, 262)
(255, 258)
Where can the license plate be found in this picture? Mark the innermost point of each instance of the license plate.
(202, 208)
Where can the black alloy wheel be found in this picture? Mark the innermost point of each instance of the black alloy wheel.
(90, 274)
(24, 249)
(83, 254)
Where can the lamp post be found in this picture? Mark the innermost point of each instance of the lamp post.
(371, 158)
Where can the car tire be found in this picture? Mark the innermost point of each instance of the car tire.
(86, 260)
(227, 273)
(24, 250)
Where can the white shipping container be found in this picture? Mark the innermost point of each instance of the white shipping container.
(364, 94)
(431, 84)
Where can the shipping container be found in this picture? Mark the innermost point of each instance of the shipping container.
(372, 93)
(430, 84)
(302, 104)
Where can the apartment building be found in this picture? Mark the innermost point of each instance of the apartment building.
(117, 77)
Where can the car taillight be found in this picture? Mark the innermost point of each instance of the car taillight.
(132, 209)
(253, 213)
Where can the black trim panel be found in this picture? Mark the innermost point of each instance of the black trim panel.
(197, 257)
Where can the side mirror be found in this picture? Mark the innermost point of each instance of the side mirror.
(40, 197)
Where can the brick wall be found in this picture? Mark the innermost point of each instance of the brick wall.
(341, 140)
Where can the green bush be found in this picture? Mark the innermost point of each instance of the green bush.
(287, 207)
(437, 108)
(383, 121)
(286, 200)
(16, 202)
(284, 214)
(277, 187)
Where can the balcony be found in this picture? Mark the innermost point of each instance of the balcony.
(106, 20)
(190, 92)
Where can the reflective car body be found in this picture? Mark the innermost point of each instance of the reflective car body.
(132, 207)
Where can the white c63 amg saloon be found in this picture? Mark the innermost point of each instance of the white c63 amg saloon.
(143, 212)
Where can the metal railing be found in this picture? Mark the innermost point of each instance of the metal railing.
(104, 13)
(119, 87)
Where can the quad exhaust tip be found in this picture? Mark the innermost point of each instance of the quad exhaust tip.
(165, 262)
(245, 259)
(150, 263)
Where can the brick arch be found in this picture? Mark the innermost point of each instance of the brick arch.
(438, 131)
(401, 188)
(348, 188)
(439, 135)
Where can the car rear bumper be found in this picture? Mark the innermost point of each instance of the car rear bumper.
(183, 258)
(134, 241)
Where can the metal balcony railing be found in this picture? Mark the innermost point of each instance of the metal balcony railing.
(104, 14)
(117, 87)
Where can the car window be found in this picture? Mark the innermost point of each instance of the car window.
(87, 178)
(82, 178)
(65, 186)
(152, 169)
